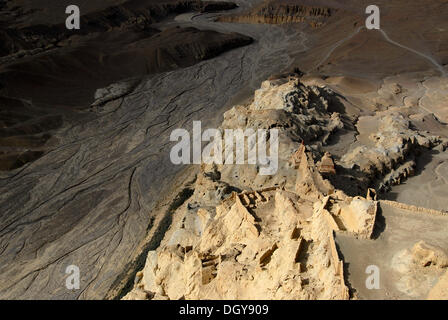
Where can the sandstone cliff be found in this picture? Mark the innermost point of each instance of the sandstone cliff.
(278, 12)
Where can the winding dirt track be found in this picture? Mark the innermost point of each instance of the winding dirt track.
(438, 66)
(88, 202)
(425, 56)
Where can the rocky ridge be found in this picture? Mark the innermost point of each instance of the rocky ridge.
(275, 12)
(233, 239)
(276, 242)
(272, 243)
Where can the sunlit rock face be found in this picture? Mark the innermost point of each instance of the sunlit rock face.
(275, 242)
(284, 12)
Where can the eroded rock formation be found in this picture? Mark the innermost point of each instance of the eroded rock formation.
(245, 236)
(386, 147)
(421, 266)
(271, 243)
(267, 244)
(282, 12)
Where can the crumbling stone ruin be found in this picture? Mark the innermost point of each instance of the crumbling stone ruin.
(236, 240)
(271, 243)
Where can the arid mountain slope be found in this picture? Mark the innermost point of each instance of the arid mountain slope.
(52, 70)
(340, 44)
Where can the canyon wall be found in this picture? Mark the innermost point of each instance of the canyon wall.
(274, 12)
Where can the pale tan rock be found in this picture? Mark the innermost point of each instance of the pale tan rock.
(137, 294)
(309, 181)
(241, 257)
(440, 290)
(205, 217)
(421, 271)
(273, 242)
(358, 216)
(429, 255)
(266, 98)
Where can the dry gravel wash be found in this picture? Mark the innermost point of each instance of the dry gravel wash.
(88, 202)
